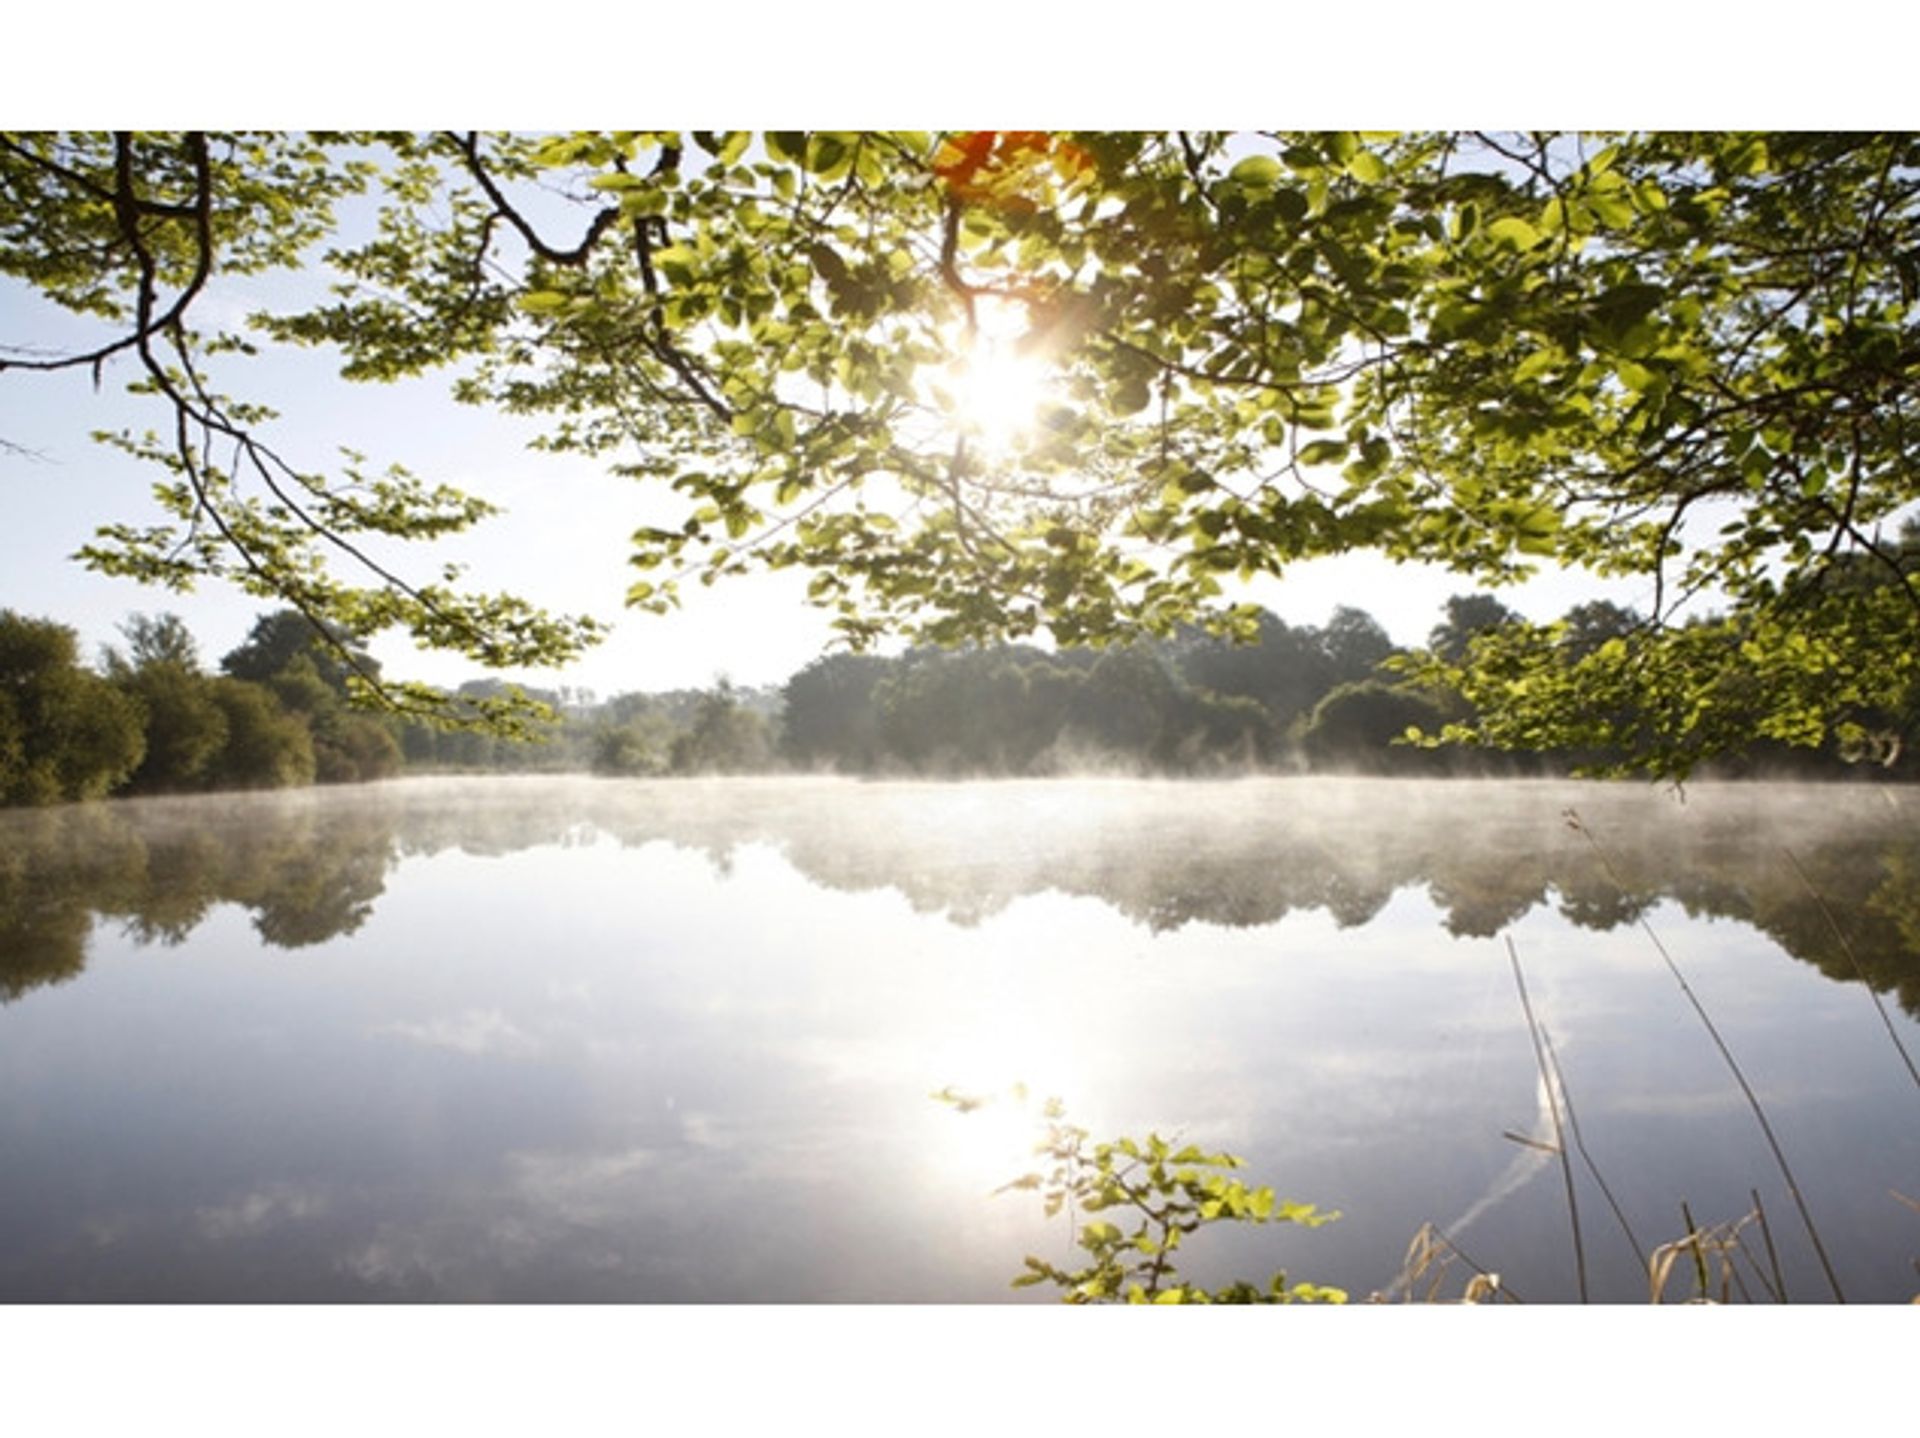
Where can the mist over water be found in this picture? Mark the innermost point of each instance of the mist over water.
(556, 1039)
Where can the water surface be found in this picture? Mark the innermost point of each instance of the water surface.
(560, 1040)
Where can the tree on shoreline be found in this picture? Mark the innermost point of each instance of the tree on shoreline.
(1683, 357)
(64, 733)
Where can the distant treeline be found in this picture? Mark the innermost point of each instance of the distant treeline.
(150, 719)
(1296, 699)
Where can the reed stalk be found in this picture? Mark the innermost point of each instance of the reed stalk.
(1753, 1102)
(1553, 1107)
(1773, 1254)
(1573, 1124)
(1847, 948)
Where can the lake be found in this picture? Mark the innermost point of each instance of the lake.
(556, 1040)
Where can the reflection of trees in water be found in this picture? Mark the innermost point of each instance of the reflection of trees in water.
(1482, 894)
(317, 889)
(307, 872)
(1593, 901)
(177, 885)
(310, 866)
(54, 865)
(1867, 887)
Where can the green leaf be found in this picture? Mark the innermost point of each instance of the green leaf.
(788, 145)
(1537, 364)
(1637, 378)
(1367, 167)
(1513, 232)
(828, 155)
(1324, 451)
(677, 263)
(1256, 172)
(1131, 396)
(1615, 211)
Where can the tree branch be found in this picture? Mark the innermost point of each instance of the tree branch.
(469, 147)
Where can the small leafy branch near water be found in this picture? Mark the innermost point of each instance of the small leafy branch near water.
(1157, 1197)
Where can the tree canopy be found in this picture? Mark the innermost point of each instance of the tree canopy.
(64, 733)
(1002, 384)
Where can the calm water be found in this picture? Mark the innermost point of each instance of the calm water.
(553, 1040)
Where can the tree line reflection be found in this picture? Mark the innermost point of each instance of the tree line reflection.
(158, 873)
(311, 867)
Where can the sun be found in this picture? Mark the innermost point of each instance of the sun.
(997, 384)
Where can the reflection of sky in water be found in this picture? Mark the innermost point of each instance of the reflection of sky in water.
(601, 1069)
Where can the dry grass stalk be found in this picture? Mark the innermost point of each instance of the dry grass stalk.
(1423, 1274)
(1713, 1254)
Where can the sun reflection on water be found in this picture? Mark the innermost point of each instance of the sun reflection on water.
(1001, 1081)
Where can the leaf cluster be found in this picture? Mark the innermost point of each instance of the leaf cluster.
(1149, 1197)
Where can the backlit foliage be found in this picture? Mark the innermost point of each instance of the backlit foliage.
(1682, 357)
(1132, 1203)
